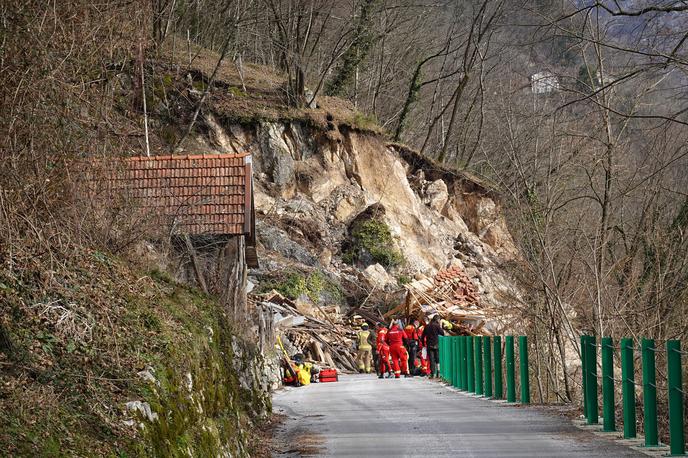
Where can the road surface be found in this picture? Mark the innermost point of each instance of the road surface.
(362, 416)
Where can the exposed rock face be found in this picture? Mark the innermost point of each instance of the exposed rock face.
(437, 195)
(277, 158)
(310, 187)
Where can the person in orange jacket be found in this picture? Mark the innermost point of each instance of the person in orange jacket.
(382, 350)
(395, 339)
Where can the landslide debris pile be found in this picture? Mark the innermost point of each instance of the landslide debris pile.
(321, 333)
(452, 295)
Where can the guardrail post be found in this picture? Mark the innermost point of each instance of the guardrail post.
(450, 359)
(464, 365)
(447, 359)
(442, 355)
(584, 371)
(675, 387)
(498, 390)
(487, 366)
(452, 374)
(523, 362)
(459, 372)
(647, 347)
(510, 370)
(470, 363)
(478, 365)
(456, 362)
(628, 388)
(608, 384)
(591, 385)
(462, 362)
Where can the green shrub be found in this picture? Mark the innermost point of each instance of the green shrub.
(236, 92)
(293, 286)
(316, 285)
(374, 239)
(403, 279)
(365, 121)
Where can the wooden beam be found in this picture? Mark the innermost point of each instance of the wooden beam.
(196, 265)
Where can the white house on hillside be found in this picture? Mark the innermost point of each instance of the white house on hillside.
(543, 82)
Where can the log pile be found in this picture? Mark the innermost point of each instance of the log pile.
(452, 295)
(322, 334)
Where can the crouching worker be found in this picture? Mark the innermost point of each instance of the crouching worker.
(364, 354)
(299, 372)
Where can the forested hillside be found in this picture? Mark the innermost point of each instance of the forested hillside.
(570, 119)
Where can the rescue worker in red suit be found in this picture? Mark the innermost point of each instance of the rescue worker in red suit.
(411, 333)
(382, 350)
(396, 340)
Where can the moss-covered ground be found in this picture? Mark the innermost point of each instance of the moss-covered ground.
(80, 334)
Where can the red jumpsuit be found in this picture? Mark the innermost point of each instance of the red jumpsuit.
(395, 339)
(383, 351)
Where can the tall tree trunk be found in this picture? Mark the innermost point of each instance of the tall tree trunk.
(233, 295)
(411, 97)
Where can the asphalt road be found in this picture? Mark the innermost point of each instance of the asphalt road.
(362, 416)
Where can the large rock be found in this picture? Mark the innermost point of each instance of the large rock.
(276, 239)
(437, 195)
(378, 276)
(277, 158)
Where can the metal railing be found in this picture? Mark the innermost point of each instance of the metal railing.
(675, 393)
(474, 364)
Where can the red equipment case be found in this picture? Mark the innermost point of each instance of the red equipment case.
(328, 375)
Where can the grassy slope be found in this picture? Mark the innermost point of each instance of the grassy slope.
(263, 99)
(64, 388)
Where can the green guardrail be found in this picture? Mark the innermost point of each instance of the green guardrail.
(608, 384)
(523, 364)
(487, 367)
(474, 364)
(628, 388)
(481, 365)
(478, 359)
(674, 388)
(510, 370)
(470, 362)
(498, 387)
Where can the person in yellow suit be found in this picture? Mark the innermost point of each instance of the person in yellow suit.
(364, 355)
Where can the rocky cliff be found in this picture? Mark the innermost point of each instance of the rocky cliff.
(312, 183)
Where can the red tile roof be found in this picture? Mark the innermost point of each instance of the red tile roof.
(456, 286)
(203, 194)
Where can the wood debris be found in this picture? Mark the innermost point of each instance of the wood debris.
(321, 333)
(452, 295)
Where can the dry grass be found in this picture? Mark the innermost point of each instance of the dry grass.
(264, 97)
(81, 332)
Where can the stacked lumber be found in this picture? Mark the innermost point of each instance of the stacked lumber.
(322, 334)
(451, 294)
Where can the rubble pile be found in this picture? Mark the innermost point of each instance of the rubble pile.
(321, 333)
(452, 295)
